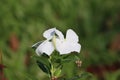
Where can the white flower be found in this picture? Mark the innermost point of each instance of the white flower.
(55, 41)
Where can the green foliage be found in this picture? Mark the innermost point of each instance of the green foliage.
(113, 76)
(44, 64)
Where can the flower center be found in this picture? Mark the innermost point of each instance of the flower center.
(54, 41)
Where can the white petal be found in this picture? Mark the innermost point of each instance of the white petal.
(59, 34)
(71, 36)
(45, 47)
(49, 33)
(58, 44)
(68, 47)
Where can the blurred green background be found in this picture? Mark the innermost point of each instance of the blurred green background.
(97, 22)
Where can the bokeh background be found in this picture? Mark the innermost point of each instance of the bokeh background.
(97, 22)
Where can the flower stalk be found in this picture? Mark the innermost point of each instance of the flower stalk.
(54, 69)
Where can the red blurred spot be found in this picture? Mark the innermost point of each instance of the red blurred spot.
(101, 69)
(2, 77)
(115, 45)
(14, 42)
(97, 70)
(27, 59)
(2, 66)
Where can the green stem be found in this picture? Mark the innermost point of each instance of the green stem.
(52, 69)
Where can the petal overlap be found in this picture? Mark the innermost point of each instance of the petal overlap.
(55, 41)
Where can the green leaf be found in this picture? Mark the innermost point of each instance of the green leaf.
(57, 72)
(43, 67)
(43, 63)
(55, 57)
(69, 58)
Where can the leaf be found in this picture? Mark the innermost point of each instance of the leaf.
(43, 63)
(43, 67)
(69, 58)
(57, 72)
(55, 57)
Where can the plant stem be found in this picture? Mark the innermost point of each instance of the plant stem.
(52, 69)
(52, 76)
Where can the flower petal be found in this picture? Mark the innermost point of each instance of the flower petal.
(48, 34)
(59, 34)
(71, 36)
(45, 47)
(68, 47)
(51, 32)
(34, 46)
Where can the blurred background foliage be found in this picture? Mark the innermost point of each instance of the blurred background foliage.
(97, 22)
